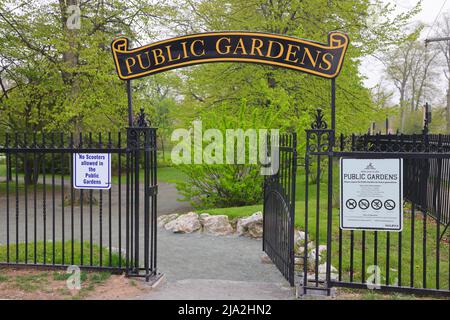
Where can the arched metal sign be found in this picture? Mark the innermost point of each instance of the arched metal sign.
(324, 60)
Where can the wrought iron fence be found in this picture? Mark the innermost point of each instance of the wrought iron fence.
(426, 179)
(45, 221)
(415, 260)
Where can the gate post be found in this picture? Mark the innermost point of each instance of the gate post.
(141, 215)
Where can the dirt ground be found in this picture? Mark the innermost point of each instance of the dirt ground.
(31, 284)
(27, 284)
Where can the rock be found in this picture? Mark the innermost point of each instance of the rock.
(162, 220)
(322, 275)
(251, 226)
(185, 223)
(322, 248)
(203, 216)
(216, 225)
(265, 258)
(299, 237)
(298, 261)
(300, 250)
(323, 268)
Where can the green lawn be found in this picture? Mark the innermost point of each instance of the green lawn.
(164, 174)
(48, 258)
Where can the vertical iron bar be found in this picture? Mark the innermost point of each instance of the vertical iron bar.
(109, 209)
(16, 174)
(305, 251)
(62, 201)
(72, 199)
(316, 261)
(100, 216)
(26, 174)
(130, 104)
(44, 197)
(330, 198)
(120, 201)
(8, 170)
(35, 175)
(53, 200)
(136, 205)
(413, 217)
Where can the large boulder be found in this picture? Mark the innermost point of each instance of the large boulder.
(216, 225)
(322, 268)
(203, 216)
(251, 226)
(185, 223)
(164, 219)
(322, 251)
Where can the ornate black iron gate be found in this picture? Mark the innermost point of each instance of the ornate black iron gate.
(279, 208)
(46, 222)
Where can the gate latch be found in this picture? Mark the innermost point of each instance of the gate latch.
(153, 190)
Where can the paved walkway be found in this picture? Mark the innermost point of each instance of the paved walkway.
(201, 266)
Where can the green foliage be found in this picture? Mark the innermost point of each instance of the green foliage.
(56, 78)
(219, 185)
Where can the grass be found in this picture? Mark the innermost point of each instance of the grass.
(164, 174)
(31, 282)
(44, 254)
(2, 169)
(43, 282)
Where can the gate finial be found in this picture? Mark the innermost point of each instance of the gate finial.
(141, 120)
(319, 122)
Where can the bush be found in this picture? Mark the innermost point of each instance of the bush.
(227, 185)
(219, 186)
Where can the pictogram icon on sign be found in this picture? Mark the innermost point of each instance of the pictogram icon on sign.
(389, 204)
(377, 204)
(351, 203)
(363, 204)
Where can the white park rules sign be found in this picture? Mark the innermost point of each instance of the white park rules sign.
(371, 194)
(91, 170)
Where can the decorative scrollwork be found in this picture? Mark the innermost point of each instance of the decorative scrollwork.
(319, 123)
(143, 138)
(141, 120)
(318, 141)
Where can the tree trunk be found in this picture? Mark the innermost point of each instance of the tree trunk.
(402, 111)
(31, 173)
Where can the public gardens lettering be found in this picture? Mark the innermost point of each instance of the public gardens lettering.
(324, 60)
(371, 176)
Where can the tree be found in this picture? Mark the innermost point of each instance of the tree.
(410, 66)
(444, 49)
(58, 76)
(70, 68)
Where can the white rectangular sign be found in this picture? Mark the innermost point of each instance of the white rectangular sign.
(371, 194)
(91, 170)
